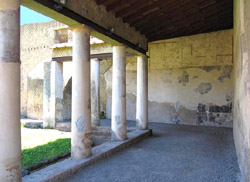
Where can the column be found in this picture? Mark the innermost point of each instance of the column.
(95, 92)
(118, 125)
(10, 134)
(142, 93)
(81, 104)
(56, 96)
(46, 92)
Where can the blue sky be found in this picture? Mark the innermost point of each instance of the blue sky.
(30, 16)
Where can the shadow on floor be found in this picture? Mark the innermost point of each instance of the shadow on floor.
(175, 153)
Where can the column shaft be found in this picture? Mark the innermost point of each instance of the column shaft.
(46, 92)
(81, 104)
(10, 134)
(95, 92)
(118, 126)
(56, 96)
(142, 93)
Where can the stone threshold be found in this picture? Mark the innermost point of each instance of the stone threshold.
(61, 170)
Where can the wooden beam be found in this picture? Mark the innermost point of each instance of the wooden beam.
(119, 5)
(93, 56)
(133, 8)
(188, 13)
(162, 16)
(140, 14)
(99, 2)
(108, 28)
(210, 25)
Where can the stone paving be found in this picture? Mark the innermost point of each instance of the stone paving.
(175, 153)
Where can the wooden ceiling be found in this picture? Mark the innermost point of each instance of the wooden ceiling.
(164, 19)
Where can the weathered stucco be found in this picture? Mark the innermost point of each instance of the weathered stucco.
(35, 92)
(36, 40)
(242, 85)
(192, 88)
(210, 49)
(105, 65)
(190, 79)
(10, 134)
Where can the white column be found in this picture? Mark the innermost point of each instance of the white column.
(56, 96)
(95, 92)
(46, 92)
(118, 125)
(81, 104)
(142, 93)
(10, 134)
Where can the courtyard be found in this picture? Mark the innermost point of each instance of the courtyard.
(136, 90)
(173, 153)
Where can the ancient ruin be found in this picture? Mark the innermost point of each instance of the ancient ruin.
(178, 63)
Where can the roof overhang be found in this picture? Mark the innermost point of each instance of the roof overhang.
(135, 22)
(105, 25)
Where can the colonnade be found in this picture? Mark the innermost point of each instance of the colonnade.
(85, 74)
(86, 93)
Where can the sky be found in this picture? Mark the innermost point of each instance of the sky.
(30, 16)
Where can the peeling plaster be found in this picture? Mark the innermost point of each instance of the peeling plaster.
(204, 88)
(184, 78)
(80, 124)
(226, 73)
(9, 49)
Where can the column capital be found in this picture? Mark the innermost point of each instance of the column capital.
(119, 51)
(143, 56)
(81, 28)
(95, 59)
(119, 45)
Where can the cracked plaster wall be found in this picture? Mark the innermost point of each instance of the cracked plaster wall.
(190, 81)
(36, 40)
(105, 65)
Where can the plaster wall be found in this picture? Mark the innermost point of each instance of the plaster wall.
(190, 81)
(242, 85)
(190, 78)
(105, 65)
(35, 92)
(36, 40)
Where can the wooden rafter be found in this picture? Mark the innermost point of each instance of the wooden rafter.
(161, 19)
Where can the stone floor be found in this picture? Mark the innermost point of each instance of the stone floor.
(175, 154)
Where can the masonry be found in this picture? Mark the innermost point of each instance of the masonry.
(178, 62)
(192, 84)
(36, 40)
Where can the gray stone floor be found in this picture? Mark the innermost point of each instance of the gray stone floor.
(175, 153)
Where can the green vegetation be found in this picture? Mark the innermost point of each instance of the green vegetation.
(37, 154)
(22, 125)
(37, 126)
(102, 115)
(47, 127)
